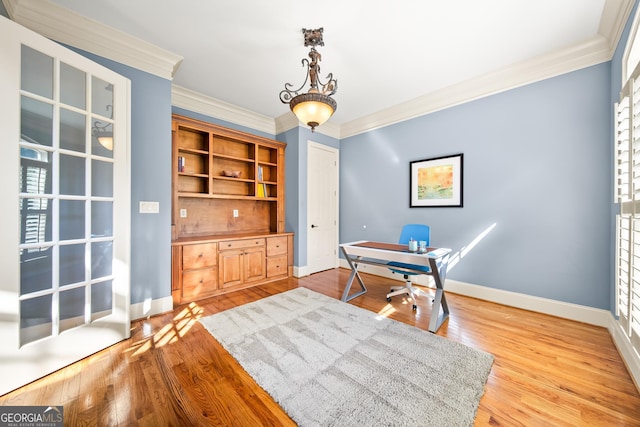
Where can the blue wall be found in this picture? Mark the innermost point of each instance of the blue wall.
(537, 181)
(150, 180)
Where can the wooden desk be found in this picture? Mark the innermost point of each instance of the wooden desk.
(380, 254)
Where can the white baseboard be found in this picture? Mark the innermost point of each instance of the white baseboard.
(300, 271)
(150, 307)
(580, 313)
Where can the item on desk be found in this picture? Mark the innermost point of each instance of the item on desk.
(422, 246)
(413, 245)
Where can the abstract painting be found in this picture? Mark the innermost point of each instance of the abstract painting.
(436, 182)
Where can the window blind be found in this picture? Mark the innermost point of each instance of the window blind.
(627, 191)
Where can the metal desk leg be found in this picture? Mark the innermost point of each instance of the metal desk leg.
(439, 268)
(354, 274)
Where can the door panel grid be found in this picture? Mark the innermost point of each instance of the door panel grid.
(65, 248)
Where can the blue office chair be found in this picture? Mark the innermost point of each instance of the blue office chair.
(417, 232)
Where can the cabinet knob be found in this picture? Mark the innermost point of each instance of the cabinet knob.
(200, 256)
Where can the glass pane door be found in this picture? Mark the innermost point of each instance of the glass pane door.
(66, 197)
(65, 251)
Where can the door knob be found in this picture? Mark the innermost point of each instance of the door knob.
(314, 226)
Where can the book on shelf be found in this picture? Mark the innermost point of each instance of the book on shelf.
(262, 187)
(180, 164)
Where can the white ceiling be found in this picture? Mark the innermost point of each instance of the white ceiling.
(382, 52)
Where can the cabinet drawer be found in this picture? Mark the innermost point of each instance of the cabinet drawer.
(241, 244)
(276, 245)
(277, 266)
(198, 283)
(198, 256)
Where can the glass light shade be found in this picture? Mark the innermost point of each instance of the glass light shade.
(313, 109)
(106, 141)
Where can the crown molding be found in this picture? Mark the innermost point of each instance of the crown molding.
(68, 27)
(330, 129)
(591, 52)
(614, 17)
(65, 26)
(10, 5)
(285, 122)
(198, 103)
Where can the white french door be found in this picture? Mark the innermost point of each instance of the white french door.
(64, 254)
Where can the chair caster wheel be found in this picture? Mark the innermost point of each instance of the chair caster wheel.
(415, 307)
(388, 299)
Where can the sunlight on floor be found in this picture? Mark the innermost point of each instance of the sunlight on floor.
(386, 311)
(171, 332)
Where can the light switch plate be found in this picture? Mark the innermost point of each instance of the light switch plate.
(149, 207)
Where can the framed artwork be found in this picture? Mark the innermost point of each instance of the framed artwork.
(436, 182)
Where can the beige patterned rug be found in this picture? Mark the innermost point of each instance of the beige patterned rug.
(329, 363)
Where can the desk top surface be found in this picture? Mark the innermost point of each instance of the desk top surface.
(388, 246)
(393, 250)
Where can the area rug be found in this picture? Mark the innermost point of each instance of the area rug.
(329, 363)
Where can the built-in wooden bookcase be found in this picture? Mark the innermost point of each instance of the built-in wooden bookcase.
(228, 189)
(205, 198)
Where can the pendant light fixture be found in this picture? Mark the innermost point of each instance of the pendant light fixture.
(103, 133)
(315, 106)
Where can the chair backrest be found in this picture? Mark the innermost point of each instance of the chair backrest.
(415, 231)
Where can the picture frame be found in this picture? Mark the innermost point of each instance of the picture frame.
(436, 182)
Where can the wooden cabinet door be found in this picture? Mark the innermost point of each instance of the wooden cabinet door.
(277, 246)
(198, 256)
(230, 267)
(254, 264)
(277, 266)
(199, 283)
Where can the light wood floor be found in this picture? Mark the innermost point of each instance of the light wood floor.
(547, 371)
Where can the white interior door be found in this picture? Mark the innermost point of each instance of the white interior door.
(322, 207)
(64, 256)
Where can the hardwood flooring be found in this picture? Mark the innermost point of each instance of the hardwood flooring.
(547, 371)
